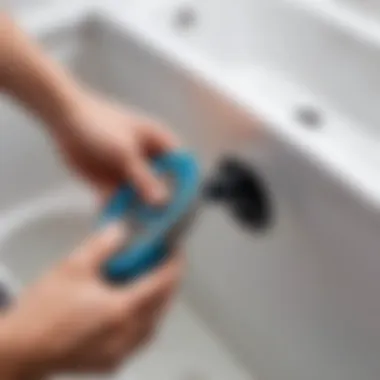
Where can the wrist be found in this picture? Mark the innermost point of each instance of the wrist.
(63, 99)
(29, 75)
(5, 25)
(18, 357)
(52, 95)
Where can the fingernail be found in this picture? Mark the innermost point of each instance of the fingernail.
(159, 194)
(117, 231)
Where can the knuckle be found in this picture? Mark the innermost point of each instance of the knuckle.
(117, 317)
(104, 242)
(146, 335)
(113, 360)
(177, 275)
(91, 243)
(108, 365)
(170, 284)
(71, 265)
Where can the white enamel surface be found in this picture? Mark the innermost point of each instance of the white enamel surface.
(45, 213)
(272, 57)
(301, 302)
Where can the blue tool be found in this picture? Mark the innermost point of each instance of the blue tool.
(155, 229)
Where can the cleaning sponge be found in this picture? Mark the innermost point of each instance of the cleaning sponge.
(155, 229)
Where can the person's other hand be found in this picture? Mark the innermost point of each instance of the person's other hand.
(73, 321)
(108, 144)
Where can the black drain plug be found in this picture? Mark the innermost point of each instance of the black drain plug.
(242, 191)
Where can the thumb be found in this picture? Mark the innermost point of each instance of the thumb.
(156, 286)
(98, 248)
(146, 182)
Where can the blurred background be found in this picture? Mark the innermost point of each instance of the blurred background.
(279, 100)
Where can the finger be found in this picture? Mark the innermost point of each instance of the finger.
(126, 342)
(146, 182)
(142, 333)
(97, 249)
(159, 139)
(151, 291)
(159, 305)
(105, 192)
(156, 305)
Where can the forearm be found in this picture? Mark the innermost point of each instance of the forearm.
(17, 355)
(33, 78)
(12, 363)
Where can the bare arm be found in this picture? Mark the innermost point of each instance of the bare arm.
(32, 77)
(108, 145)
(104, 142)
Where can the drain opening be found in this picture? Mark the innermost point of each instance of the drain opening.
(309, 116)
(185, 18)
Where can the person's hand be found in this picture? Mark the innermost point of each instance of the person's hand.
(108, 144)
(103, 141)
(73, 321)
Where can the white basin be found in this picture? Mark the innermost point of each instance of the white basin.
(36, 235)
(45, 213)
(299, 302)
(289, 37)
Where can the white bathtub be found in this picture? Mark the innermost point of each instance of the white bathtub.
(300, 301)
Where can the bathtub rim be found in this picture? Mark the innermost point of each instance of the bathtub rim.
(334, 154)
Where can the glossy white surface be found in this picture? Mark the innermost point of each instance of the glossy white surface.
(45, 213)
(301, 302)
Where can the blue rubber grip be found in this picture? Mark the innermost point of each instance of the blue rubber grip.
(148, 249)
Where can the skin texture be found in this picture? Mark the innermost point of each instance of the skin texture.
(104, 156)
(104, 142)
(77, 322)
(71, 320)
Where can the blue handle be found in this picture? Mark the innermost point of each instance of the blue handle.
(149, 248)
